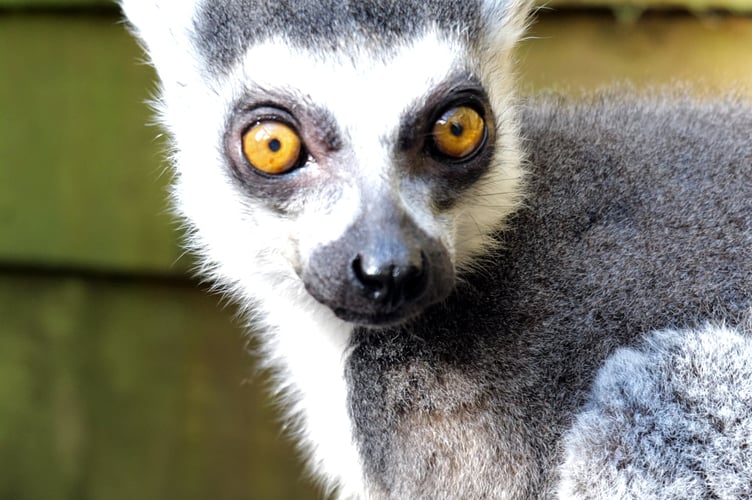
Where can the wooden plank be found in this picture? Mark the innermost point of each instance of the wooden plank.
(81, 178)
(574, 52)
(633, 8)
(57, 4)
(132, 390)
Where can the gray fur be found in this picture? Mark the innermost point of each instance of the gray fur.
(668, 419)
(639, 218)
(226, 28)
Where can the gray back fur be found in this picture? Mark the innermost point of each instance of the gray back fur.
(639, 217)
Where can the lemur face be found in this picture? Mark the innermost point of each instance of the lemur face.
(357, 170)
(365, 168)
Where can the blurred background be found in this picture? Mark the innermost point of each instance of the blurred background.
(120, 376)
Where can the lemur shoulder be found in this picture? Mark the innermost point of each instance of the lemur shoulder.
(464, 294)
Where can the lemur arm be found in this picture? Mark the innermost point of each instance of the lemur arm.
(667, 419)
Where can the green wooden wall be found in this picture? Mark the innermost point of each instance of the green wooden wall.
(119, 377)
(80, 168)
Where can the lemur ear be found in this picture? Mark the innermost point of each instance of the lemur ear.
(505, 22)
(164, 28)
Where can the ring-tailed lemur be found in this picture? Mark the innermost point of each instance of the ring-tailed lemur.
(447, 316)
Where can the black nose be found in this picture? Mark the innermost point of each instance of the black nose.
(391, 283)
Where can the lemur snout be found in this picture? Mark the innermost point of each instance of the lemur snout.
(381, 271)
(391, 281)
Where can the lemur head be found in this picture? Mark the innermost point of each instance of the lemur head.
(355, 153)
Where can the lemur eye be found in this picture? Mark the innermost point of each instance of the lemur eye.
(272, 147)
(459, 132)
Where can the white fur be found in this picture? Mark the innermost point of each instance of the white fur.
(163, 26)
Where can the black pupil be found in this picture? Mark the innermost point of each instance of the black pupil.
(275, 145)
(456, 129)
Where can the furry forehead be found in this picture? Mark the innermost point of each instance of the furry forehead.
(324, 25)
(221, 31)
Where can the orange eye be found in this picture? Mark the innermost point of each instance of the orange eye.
(459, 132)
(272, 147)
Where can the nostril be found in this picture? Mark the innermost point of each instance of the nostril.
(415, 279)
(375, 281)
(392, 283)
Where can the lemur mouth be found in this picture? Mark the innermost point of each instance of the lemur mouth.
(383, 320)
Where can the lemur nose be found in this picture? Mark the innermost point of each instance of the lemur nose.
(391, 283)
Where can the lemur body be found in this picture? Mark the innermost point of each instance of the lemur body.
(434, 335)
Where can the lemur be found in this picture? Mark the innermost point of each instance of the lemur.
(463, 293)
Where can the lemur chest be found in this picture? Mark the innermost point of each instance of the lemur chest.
(423, 433)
